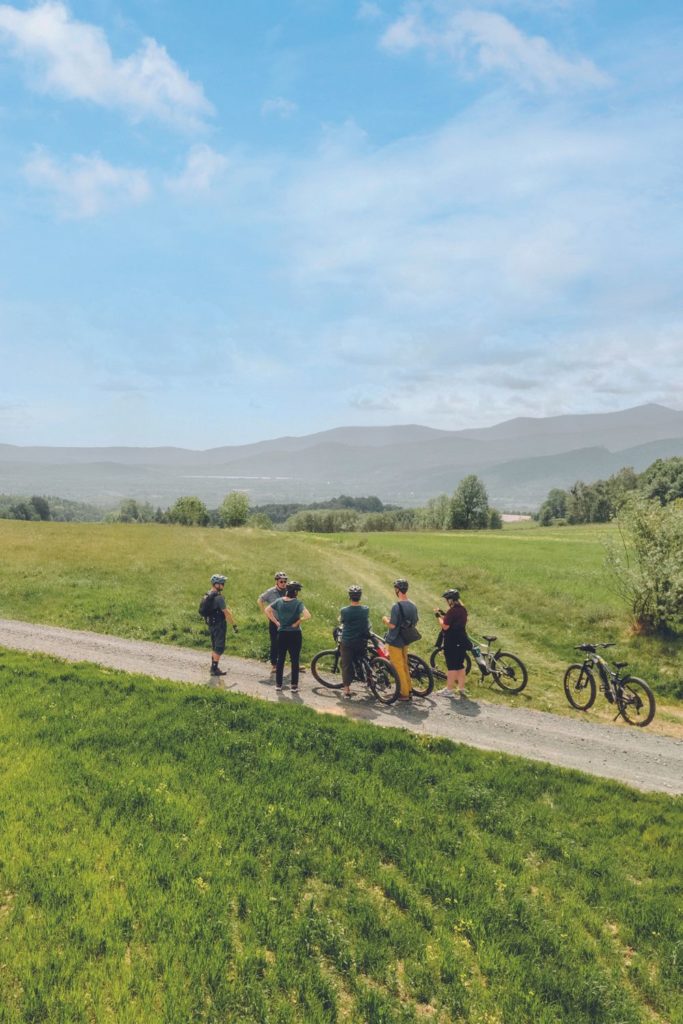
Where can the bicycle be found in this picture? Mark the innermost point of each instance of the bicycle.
(506, 670)
(633, 697)
(372, 667)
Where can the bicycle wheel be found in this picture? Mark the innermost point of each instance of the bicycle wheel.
(636, 701)
(421, 676)
(437, 660)
(383, 680)
(579, 687)
(509, 672)
(326, 668)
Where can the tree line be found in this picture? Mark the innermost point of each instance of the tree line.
(599, 502)
(467, 508)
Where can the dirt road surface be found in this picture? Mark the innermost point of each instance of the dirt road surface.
(630, 755)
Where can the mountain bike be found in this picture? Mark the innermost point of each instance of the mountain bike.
(633, 698)
(505, 669)
(372, 668)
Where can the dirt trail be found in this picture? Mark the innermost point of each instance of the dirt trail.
(632, 756)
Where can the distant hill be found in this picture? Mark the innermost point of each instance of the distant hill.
(519, 460)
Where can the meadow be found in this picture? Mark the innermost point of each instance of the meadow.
(171, 855)
(541, 591)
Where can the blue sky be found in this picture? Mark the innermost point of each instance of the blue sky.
(278, 217)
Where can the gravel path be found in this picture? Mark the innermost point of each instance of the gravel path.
(632, 756)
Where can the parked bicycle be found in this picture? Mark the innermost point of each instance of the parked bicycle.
(633, 698)
(505, 669)
(374, 669)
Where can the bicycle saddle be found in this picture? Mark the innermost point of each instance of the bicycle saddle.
(620, 664)
(490, 638)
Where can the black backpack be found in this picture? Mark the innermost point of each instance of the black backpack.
(207, 605)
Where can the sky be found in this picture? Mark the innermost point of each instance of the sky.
(231, 222)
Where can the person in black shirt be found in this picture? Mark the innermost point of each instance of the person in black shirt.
(455, 641)
(217, 617)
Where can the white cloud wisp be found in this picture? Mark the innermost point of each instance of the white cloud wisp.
(88, 186)
(73, 59)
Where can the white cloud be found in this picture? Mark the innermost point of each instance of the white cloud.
(88, 186)
(368, 11)
(73, 59)
(203, 168)
(279, 107)
(483, 41)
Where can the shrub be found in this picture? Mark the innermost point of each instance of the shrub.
(648, 563)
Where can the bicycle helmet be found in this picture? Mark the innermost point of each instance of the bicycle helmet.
(217, 578)
(401, 585)
(355, 592)
(281, 576)
(293, 588)
(452, 594)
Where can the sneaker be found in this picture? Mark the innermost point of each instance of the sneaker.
(216, 671)
(278, 687)
(294, 689)
(446, 692)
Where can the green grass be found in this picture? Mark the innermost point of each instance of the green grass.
(172, 854)
(540, 590)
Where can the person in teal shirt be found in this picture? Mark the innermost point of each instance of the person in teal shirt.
(288, 613)
(355, 623)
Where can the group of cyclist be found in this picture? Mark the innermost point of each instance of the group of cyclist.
(285, 612)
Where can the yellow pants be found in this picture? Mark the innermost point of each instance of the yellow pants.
(398, 656)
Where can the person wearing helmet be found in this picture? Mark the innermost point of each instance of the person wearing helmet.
(287, 613)
(355, 624)
(264, 600)
(455, 641)
(403, 613)
(217, 616)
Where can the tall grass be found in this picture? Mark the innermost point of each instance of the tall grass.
(540, 591)
(176, 855)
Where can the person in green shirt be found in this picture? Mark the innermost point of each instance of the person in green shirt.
(288, 613)
(355, 623)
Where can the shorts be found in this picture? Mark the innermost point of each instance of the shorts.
(455, 656)
(218, 631)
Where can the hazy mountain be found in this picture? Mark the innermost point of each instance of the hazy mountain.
(519, 460)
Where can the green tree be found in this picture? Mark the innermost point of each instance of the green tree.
(260, 521)
(663, 480)
(188, 511)
(469, 505)
(495, 519)
(41, 506)
(234, 510)
(647, 563)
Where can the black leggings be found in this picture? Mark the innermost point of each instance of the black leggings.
(272, 629)
(288, 642)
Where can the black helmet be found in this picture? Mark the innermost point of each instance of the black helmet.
(293, 588)
(401, 585)
(452, 594)
(355, 592)
(281, 576)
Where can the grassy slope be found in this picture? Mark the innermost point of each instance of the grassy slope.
(541, 591)
(169, 855)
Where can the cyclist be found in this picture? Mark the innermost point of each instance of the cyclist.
(217, 617)
(265, 599)
(455, 641)
(402, 613)
(288, 613)
(355, 623)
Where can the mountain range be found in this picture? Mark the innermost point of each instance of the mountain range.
(519, 460)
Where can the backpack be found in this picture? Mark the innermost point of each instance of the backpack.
(206, 605)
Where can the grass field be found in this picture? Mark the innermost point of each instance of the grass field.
(172, 855)
(540, 590)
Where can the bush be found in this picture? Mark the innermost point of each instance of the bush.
(648, 563)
